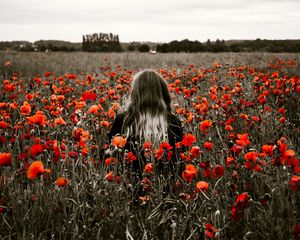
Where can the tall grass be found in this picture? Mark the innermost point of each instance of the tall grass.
(92, 206)
(32, 64)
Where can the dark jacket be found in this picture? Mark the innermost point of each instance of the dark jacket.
(175, 134)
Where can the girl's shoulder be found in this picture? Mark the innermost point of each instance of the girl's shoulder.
(120, 115)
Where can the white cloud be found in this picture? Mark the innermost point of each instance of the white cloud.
(155, 20)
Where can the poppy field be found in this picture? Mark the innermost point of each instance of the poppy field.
(238, 162)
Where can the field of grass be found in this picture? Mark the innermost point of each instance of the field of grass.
(60, 178)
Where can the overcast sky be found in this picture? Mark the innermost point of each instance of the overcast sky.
(150, 20)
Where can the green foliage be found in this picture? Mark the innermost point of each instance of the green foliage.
(144, 48)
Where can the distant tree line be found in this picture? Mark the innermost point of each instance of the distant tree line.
(230, 46)
(102, 42)
(41, 46)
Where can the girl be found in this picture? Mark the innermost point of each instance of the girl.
(147, 117)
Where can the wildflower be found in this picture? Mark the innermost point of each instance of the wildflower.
(104, 123)
(201, 186)
(109, 161)
(109, 176)
(165, 146)
(59, 121)
(62, 181)
(148, 168)
(294, 183)
(289, 154)
(189, 173)
(129, 157)
(281, 111)
(218, 171)
(242, 201)
(38, 118)
(36, 169)
(147, 146)
(282, 147)
(159, 153)
(195, 151)
(205, 125)
(208, 146)
(188, 140)
(93, 109)
(89, 96)
(296, 231)
(268, 149)
(119, 141)
(282, 119)
(5, 159)
(229, 160)
(228, 128)
(4, 125)
(36, 149)
(25, 108)
(210, 230)
(243, 140)
(251, 156)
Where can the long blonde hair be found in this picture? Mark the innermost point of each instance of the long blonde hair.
(148, 108)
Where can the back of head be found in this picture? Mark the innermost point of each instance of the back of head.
(148, 107)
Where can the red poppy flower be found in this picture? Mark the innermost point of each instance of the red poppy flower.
(89, 96)
(165, 146)
(218, 171)
(129, 157)
(282, 147)
(59, 121)
(205, 125)
(119, 141)
(282, 119)
(268, 149)
(251, 156)
(109, 176)
(229, 160)
(289, 154)
(294, 183)
(5, 159)
(104, 123)
(38, 118)
(243, 200)
(210, 231)
(25, 108)
(147, 145)
(4, 125)
(169, 155)
(188, 140)
(36, 169)
(201, 186)
(296, 231)
(93, 109)
(148, 168)
(208, 146)
(111, 160)
(243, 139)
(228, 128)
(189, 173)
(36, 149)
(159, 153)
(195, 151)
(62, 181)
